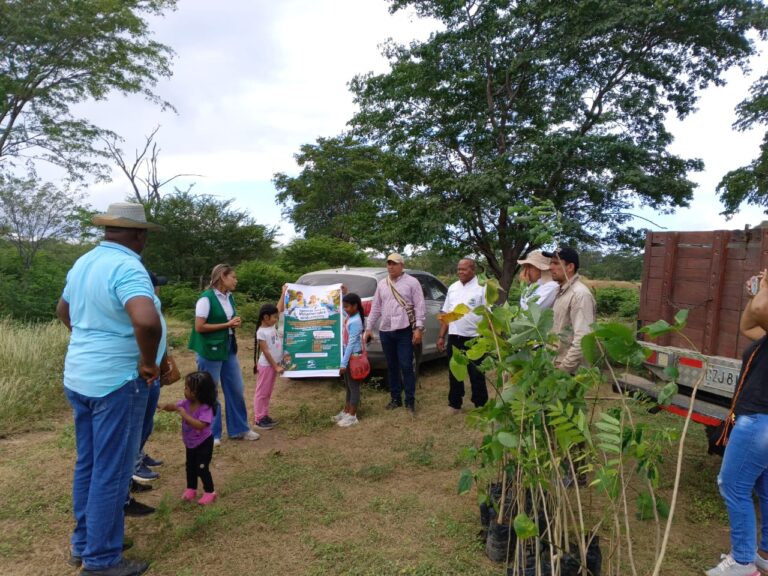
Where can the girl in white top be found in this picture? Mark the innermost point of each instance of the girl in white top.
(268, 364)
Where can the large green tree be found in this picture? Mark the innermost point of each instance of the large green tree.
(200, 231)
(351, 191)
(513, 102)
(749, 183)
(57, 53)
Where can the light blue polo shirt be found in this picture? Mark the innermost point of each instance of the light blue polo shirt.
(103, 353)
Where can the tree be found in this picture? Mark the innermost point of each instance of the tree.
(142, 173)
(33, 213)
(348, 190)
(515, 102)
(749, 183)
(57, 53)
(199, 232)
(307, 254)
(621, 265)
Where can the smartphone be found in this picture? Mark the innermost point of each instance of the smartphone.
(754, 285)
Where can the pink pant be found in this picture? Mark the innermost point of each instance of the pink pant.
(265, 383)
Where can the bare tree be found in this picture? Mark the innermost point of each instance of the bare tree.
(142, 172)
(33, 212)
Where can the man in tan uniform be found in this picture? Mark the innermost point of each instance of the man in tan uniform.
(574, 308)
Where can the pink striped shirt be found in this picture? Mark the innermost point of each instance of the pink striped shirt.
(386, 308)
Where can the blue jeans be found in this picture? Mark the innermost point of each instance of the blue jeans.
(149, 421)
(397, 346)
(227, 374)
(744, 470)
(107, 434)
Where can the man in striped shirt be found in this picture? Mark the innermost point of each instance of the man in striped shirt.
(398, 308)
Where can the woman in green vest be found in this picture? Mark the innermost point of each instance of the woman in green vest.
(213, 339)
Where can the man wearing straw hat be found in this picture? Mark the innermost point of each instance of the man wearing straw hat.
(108, 306)
(542, 289)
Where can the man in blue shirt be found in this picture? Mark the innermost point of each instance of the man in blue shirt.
(108, 306)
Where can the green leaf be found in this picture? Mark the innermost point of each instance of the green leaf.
(492, 291)
(507, 439)
(666, 393)
(672, 372)
(657, 329)
(477, 351)
(644, 506)
(462, 309)
(465, 481)
(458, 368)
(590, 348)
(525, 527)
(662, 507)
(681, 317)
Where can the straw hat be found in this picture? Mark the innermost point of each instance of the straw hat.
(125, 215)
(537, 259)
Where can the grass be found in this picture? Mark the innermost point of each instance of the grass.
(311, 498)
(32, 357)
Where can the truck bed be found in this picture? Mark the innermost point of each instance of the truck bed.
(703, 272)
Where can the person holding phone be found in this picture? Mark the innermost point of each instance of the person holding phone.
(744, 470)
(213, 339)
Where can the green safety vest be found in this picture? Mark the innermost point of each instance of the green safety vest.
(212, 345)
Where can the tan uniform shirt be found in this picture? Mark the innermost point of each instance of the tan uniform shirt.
(574, 315)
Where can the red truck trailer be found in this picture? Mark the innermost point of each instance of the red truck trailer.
(704, 273)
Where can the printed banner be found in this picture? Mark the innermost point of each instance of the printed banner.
(312, 332)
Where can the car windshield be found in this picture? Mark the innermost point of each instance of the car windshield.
(363, 286)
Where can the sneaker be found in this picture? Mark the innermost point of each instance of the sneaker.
(338, 417)
(144, 474)
(208, 498)
(411, 409)
(264, 424)
(124, 568)
(134, 508)
(77, 561)
(189, 494)
(216, 442)
(250, 435)
(761, 563)
(454, 411)
(271, 420)
(350, 420)
(392, 405)
(147, 460)
(138, 487)
(729, 567)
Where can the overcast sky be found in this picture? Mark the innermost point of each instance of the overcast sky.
(254, 80)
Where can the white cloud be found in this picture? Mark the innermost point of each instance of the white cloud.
(254, 80)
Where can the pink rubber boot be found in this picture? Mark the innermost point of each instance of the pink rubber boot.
(189, 495)
(208, 498)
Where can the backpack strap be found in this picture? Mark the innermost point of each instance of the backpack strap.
(731, 418)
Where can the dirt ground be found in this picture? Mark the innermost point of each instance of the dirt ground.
(311, 498)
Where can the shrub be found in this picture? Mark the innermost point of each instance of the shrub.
(318, 252)
(262, 281)
(179, 300)
(623, 302)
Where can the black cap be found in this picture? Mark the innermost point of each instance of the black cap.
(157, 280)
(566, 254)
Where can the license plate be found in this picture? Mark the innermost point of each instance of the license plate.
(721, 378)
